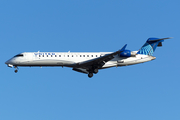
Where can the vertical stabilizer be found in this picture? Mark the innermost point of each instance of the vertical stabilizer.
(150, 46)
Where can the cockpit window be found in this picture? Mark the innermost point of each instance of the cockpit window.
(19, 55)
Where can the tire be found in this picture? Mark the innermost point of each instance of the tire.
(90, 75)
(95, 71)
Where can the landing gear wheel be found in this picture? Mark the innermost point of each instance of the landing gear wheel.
(90, 75)
(16, 71)
(95, 71)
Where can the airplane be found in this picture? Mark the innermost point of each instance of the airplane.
(87, 62)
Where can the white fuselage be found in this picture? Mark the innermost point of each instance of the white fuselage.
(70, 59)
(88, 62)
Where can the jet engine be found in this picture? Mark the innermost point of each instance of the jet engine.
(127, 53)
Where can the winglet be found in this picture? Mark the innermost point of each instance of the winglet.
(123, 48)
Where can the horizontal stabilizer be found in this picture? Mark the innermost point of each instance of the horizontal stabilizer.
(156, 39)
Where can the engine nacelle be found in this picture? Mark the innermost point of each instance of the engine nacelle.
(127, 53)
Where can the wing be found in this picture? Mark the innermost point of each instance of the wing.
(100, 61)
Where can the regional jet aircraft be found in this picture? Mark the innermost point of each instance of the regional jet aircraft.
(87, 62)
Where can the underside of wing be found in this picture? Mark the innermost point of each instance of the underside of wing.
(81, 70)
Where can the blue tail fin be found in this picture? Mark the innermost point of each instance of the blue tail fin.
(150, 46)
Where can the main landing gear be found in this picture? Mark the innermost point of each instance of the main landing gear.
(95, 71)
(90, 75)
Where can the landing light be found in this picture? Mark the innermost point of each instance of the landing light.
(9, 65)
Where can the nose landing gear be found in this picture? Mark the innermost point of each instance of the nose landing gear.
(16, 69)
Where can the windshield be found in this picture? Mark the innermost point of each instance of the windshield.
(19, 55)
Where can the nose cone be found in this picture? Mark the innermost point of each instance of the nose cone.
(7, 62)
(11, 61)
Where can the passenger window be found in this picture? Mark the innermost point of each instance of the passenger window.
(59, 55)
(39, 55)
(68, 56)
(72, 55)
(83, 55)
(92, 55)
(80, 55)
(87, 55)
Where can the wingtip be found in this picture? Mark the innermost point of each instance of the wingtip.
(123, 48)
